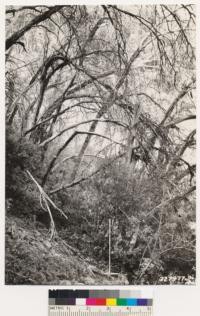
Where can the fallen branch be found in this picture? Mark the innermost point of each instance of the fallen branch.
(46, 199)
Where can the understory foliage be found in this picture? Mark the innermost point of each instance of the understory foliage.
(100, 110)
(110, 195)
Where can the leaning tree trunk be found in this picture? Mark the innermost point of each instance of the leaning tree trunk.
(93, 126)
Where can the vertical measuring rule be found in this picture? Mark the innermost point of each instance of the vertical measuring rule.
(99, 303)
(109, 246)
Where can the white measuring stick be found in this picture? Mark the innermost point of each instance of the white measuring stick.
(109, 247)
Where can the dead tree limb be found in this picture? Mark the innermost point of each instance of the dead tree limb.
(46, 199)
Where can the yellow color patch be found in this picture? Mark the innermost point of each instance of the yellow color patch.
(111, 302)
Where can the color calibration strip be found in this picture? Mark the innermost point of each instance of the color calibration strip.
(99, 303)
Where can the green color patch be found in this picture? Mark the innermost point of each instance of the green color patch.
(121, 302)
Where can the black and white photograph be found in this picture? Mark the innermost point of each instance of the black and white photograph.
(100, 111)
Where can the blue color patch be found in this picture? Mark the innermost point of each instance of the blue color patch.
(131, 302)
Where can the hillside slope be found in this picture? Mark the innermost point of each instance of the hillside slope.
(32, 259)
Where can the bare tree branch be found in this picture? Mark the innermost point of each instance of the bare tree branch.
(67, 143)
(178, 121)
(40, 18)
(77, 182)
(50, 139)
